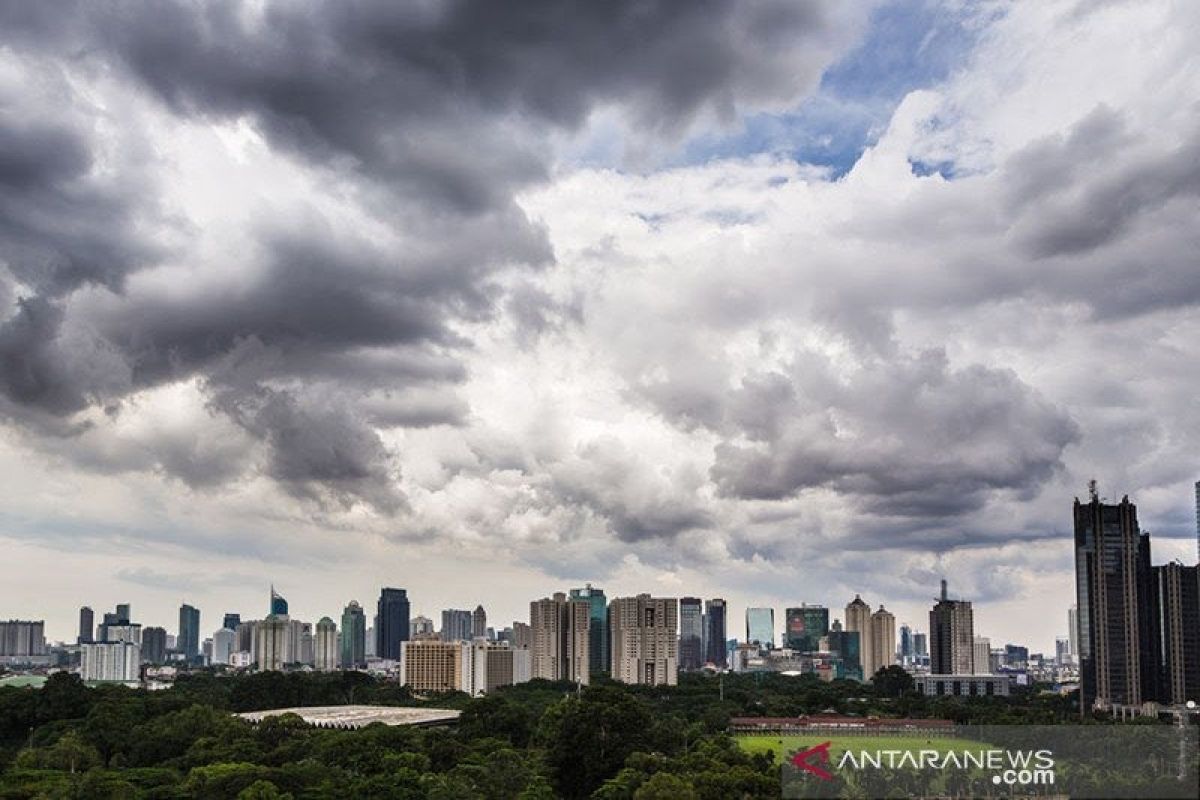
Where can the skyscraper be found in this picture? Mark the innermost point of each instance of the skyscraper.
(906, 648)
(715, 611)
(1113, 587)
(858, 620)
(644, 644)
(951, 636)
(848, 646)
(110, 661)
(154, 645)
(478, 623)
(883, 642)
(598, 652)
(189, 632)
(231, 621)
(271, 643)
(420, 625)
(87, 626)
(354, 637)
(760, 626)
(456, 625)
(981, 658)
(279, 606)
(1176, 616)
(325, 655)
(920, 645)
(1198, 521)
(691, 633)
(560, 636)
(806, 625)
(391, 627)
(1073, 632)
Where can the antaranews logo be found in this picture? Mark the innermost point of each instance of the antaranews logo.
(1008, 767)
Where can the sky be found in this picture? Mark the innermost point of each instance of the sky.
(779, 302)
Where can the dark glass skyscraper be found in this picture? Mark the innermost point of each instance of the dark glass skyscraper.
(691, 633)
(279, 606)
(87, 625)
(714, 610)
(1113, 587)
(1175, 608)
(188, 642)
(231, 621)
(805, 627)
(154, 645)
(598, 645)
(354, 637)
(391, 623)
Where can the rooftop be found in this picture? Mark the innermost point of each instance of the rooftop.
(359, 716)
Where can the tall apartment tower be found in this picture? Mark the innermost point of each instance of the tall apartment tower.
(391, 627)
(478, 623)
(691, 633)
(858, 620)
(644, 644)
(189, 632)
(715, 611)
(271, 643)
(1073, 633)
(154, 645)
(87, 626)
(354, 637)
(883, 641)
(325, 646)
(1113, 588)
(598, 652)
(951, 636)
(1176, 617)
(560, 633)
(981, 658)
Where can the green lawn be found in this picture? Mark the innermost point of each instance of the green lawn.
(756, 743)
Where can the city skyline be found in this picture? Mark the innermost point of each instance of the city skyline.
(862, 304)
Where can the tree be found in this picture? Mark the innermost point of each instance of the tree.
(263, 790)
(665, 786)
(588, 739)
(893, 681)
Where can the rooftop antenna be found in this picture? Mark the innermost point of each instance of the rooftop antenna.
(1092, 494)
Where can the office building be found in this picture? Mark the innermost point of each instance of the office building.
(805, 627)
(271, 643)
(479, 623)
(456, 625)
(1073, 632)
(981, 658)
(951, 636)
(431, 666)
(598, 653)
(110, 661)
(244, 642)
(906, 646)
(188, 642)
(1062, 651)
(495, 665)
(279, 606)
(848, 646)
(1176, 607)
(760, 627)
(883, 642)
(325, 646)
(354, 637)
(716, 654)
(1113, 587)
(1015, 656)
(920, 645)
(87, 626)
(691, 633)
(644, 643)
(420, 626)
(560, 633)
(391, 625)
(231, 621)
(154, 645)
(23, 642)
(222, 646)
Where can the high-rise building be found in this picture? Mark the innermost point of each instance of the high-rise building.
(456, 625)
(1073, 632)
(1198, 521)
(1015, 656)
(951, 636)
(906, 647)
(271, 643)
(279, 606)
(325, 646)
(1176, 615)
(1113, 587)
(981, 658)
(691, 633)
(354, 637)
(434, 666)
(22, 641)
(244, 640)
(110, 661)
(560, 634)
(87, 625)
(1062, 651)
(479, 623)
(189, 632)
(920, 645)
(598, 654)
(494, 665)
(848, 646)
(522, 636)
(760, 627)
(391, 627)
(806, 626)
(883, 641)
(858, 620)
(231, 621)
(420, 626)
(124, 616)
(644, 643)
(222, 646)
(154, 645)
(716, 654)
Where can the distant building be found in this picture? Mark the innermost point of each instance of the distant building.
(920, 645)
(858, 620)
(717, 653)
(420, 626)
(231, 621)
(981, 658)
(760, 626)
(131, 632)
(522, 637)
(325, 656)
(87, 626)
(456, 625)
(691, 633)
(598, 649)
(1015, 656)
(188, 642)
(494, 665)
(951, 636)
(560, 632)
(392, 623)
(270, 643)
(434, 666)
(23, 642)
(644, 644)
(806, 626)
(1176, 613)
(354, 637)
(279, 606)
(110, 661)
(222, 646)
(848, 646)
(479, 623)
(883, 641)
(1062, 651)
(154, 645)
(1073, 632)
(963, 685)
(906, 644)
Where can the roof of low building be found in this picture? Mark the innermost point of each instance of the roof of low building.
(359, 716)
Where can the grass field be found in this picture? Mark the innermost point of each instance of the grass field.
(787, 744)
